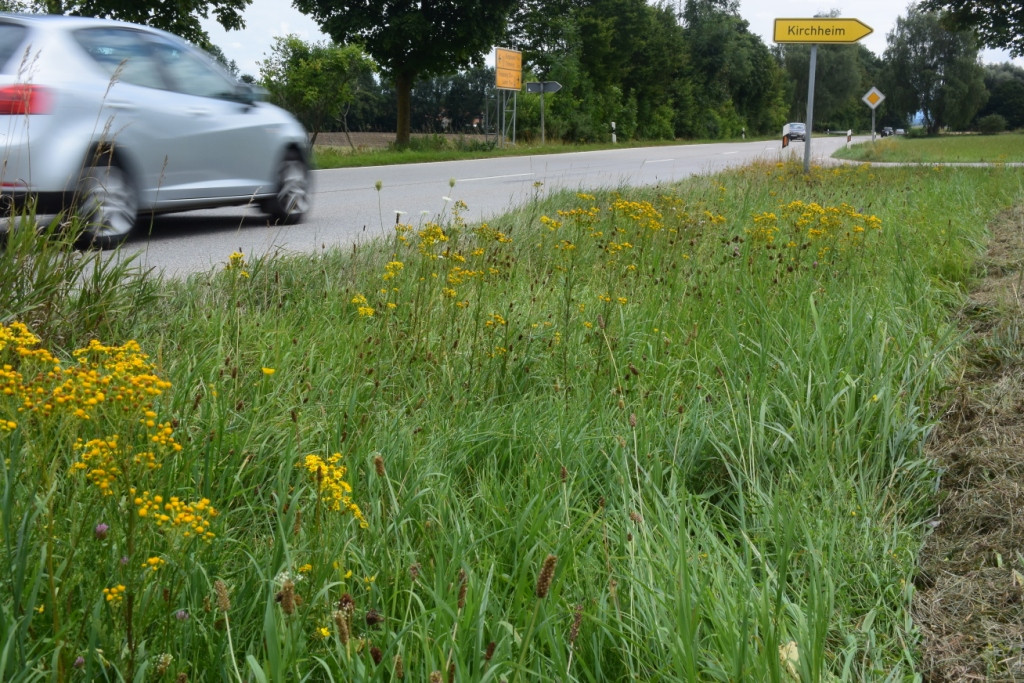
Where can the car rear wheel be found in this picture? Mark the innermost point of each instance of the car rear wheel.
(107, 204)
(291, 200)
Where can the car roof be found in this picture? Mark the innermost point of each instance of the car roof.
(70, 22)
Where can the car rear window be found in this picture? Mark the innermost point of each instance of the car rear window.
(11, 38)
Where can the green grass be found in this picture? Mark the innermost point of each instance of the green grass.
(700, 406)
(1003, 148)
(439, 149)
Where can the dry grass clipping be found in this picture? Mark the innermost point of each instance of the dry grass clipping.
(970, 600)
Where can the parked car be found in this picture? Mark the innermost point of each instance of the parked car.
(797, 131)
(900, 131)
(887, 131)
(119, 121)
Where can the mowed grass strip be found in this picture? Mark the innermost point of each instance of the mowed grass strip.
(654, 434)
(993, 149)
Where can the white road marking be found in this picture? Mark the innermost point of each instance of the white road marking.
(658, 161)
(495, 177)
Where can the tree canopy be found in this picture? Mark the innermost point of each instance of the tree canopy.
(410, 39)
(180, 16)
(998, 23)
(315, 81)
(934, 71)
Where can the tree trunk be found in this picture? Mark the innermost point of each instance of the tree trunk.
(403, 85)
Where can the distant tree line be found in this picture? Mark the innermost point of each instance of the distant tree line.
(691, 70)
(659, 70)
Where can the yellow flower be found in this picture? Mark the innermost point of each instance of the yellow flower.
(268, 371)
(305, 568)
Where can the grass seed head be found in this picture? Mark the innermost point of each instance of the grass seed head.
(399, 670)
(547, 572)
(223, 601)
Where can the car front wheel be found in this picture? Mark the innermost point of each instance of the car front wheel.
(107, 205)
(291, 200)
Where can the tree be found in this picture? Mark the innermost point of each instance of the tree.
(933, 71)
(736, 78)
(1005, 84)
(998, 23)
(412, 39)
(315, 81)
(180, 17)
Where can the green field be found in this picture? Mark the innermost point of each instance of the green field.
(995, 149)
(656, 434)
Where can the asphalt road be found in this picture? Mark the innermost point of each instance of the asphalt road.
(347, 207)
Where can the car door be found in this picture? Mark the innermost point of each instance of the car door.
(171, 114)
(226, 137)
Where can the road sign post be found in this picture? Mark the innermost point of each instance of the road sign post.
(814, 31)
(508, 76)
(873, 98)
(543, 87)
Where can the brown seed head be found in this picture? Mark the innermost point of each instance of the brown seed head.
(399, 668)
(373, 617)
(435, 677)
(376, 654)
(414, 571)
(347, 604)
(564, 474)
(181, 678)
(378, 464)
(286, 597)
(221, 589)
(462, 588)
(635, 516)
(341, 623)
(547, 572)
(490, 651)
(632, 419)
(451, 673)
(577, 617)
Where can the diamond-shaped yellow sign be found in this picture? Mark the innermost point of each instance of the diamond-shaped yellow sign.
(873, 98)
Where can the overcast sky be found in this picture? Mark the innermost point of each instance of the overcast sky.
(266, 19)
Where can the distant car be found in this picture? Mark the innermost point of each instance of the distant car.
(900, 131)
(117, 121)
(797, 131)
(887, 131)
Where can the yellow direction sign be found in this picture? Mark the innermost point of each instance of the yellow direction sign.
(508, 72)
(820, 30)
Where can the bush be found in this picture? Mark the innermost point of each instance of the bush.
(991, 124)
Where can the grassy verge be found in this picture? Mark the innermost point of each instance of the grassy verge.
(665, 434)
(439, 149)
(950, 148)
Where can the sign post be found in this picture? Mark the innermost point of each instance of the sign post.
(873, 98)
(543, 87)
(508, 77)
(814, 31)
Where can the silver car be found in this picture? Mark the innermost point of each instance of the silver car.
(120, 121)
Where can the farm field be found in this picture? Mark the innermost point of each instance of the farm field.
(691, 432)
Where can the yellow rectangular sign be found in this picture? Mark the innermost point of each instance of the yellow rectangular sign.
(508, 72)
(820, 30)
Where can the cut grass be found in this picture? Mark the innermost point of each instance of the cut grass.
(706, 402)
(995, 149)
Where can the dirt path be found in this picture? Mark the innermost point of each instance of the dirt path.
(970, 600)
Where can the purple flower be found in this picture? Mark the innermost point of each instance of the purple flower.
(101, 531)
(181, 615)
(79, 662)
(124, 560)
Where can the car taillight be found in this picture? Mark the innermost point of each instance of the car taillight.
(25, 99)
